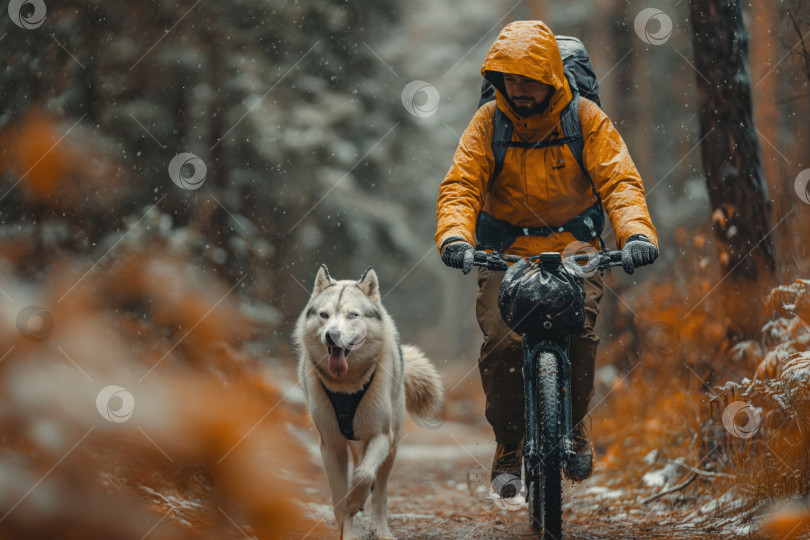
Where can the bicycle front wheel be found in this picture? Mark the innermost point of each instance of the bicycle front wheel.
(545, 488)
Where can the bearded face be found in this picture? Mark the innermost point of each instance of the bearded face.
(528, 96)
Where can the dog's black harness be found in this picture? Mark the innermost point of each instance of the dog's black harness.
(345, 405)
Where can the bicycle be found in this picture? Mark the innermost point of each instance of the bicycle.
(547, 378)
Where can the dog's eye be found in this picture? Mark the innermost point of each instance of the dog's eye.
(352, 316)
(324, 315)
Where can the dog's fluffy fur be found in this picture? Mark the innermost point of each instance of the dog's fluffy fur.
(343, 337)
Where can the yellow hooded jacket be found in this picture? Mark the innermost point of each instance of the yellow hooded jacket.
(539, 186)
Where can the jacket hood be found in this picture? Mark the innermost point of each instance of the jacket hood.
(528, 48)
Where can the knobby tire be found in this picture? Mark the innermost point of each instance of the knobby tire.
(545, 488)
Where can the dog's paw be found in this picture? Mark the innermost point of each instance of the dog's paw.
(358, 493)
(347, 532)
(383, 533)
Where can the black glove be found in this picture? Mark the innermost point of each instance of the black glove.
(458, 254)
(638, 251)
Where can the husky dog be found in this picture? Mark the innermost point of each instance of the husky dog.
(358, 381)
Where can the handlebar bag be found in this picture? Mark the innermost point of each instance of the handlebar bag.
(541, 299)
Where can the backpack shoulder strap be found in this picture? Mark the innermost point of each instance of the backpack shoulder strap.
(569, 122)
(572, 129)
(501, 137)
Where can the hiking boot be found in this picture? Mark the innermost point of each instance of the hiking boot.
(579, 466)
(506, 468)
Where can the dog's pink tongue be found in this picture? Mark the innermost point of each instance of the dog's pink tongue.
(337, 362)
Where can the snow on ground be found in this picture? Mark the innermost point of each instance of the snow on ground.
(664, 476)
(603, 492)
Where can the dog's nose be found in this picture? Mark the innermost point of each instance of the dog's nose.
(333, 337)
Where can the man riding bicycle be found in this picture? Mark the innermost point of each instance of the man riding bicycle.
(541, 201)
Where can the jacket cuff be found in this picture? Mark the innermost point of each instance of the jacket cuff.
(640, 231)
(637, 236)
(450, 240)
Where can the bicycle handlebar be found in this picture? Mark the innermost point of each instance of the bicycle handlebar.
(499, 261)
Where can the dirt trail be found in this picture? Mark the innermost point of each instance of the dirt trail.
(440, 489)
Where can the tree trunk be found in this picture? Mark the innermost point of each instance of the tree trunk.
(730, 153)
(765, 93)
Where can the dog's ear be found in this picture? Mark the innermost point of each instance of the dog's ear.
(368, 284)
(322, 280)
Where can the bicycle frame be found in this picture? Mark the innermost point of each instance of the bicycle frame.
(549, 395)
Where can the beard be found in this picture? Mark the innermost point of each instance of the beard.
(532, 107)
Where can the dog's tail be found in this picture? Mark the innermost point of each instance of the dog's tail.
(424, 392)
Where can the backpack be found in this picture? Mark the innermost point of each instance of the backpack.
(583, 82)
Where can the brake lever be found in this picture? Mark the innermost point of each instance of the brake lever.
(497, 263)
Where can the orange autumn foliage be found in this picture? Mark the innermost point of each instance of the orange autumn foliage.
(683, 368)
(787, 522)
(61, 167)
(205, 453)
